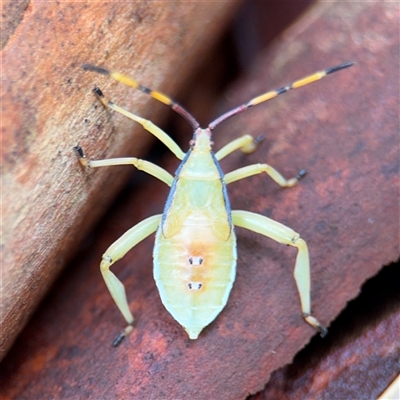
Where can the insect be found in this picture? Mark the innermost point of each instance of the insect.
(195, 244)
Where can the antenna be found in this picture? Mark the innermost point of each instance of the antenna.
(154, 94)
(274, 93)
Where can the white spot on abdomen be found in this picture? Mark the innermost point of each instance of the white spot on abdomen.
(195, 260)
(195, 285)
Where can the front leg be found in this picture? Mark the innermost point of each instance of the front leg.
(148, 125)
(246, 143)
(282, 234)
(114, 253)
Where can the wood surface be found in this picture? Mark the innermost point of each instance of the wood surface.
(48, 203)
(344, 131)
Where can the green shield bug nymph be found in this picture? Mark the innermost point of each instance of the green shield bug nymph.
(195, 246)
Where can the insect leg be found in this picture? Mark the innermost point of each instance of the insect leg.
(148, 125)
(114, 253)
(255, 169)
(142, 165)
(246, 143)
(282, 234)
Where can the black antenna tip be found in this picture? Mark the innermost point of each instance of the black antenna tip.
(99, 70)
(339, 67)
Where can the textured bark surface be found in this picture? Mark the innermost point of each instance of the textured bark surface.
(344, 131)
(361, 355)
(358, 360)
(48, 202)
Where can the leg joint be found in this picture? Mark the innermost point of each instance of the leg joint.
(106, 262)
(296, 239)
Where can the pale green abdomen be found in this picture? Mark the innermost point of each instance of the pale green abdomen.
(194, 272)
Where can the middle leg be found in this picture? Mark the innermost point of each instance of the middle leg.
(256, 169)
(141, 165)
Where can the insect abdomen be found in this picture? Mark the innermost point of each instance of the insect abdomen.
(194, 272)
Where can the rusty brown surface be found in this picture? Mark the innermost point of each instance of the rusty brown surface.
(360, 357)
(48, 202)
(344, 131)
